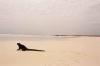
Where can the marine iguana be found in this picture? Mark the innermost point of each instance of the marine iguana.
(24, 48)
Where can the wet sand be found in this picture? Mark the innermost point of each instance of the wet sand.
(59, 51)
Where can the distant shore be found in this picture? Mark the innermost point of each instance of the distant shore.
(79, 35)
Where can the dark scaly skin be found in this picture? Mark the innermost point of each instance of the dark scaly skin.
(24, 48)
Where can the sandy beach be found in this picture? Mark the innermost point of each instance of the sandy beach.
(59, 51)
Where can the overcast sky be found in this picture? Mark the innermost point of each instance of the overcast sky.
(50, 17)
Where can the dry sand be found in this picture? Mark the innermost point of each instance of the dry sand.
(59, 51)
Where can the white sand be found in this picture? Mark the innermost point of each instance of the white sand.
(72, 51)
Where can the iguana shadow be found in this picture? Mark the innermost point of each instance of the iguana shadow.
(24, 48)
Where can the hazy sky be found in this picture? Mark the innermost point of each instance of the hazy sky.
(50, 16)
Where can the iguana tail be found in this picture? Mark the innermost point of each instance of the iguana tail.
(34, 50)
